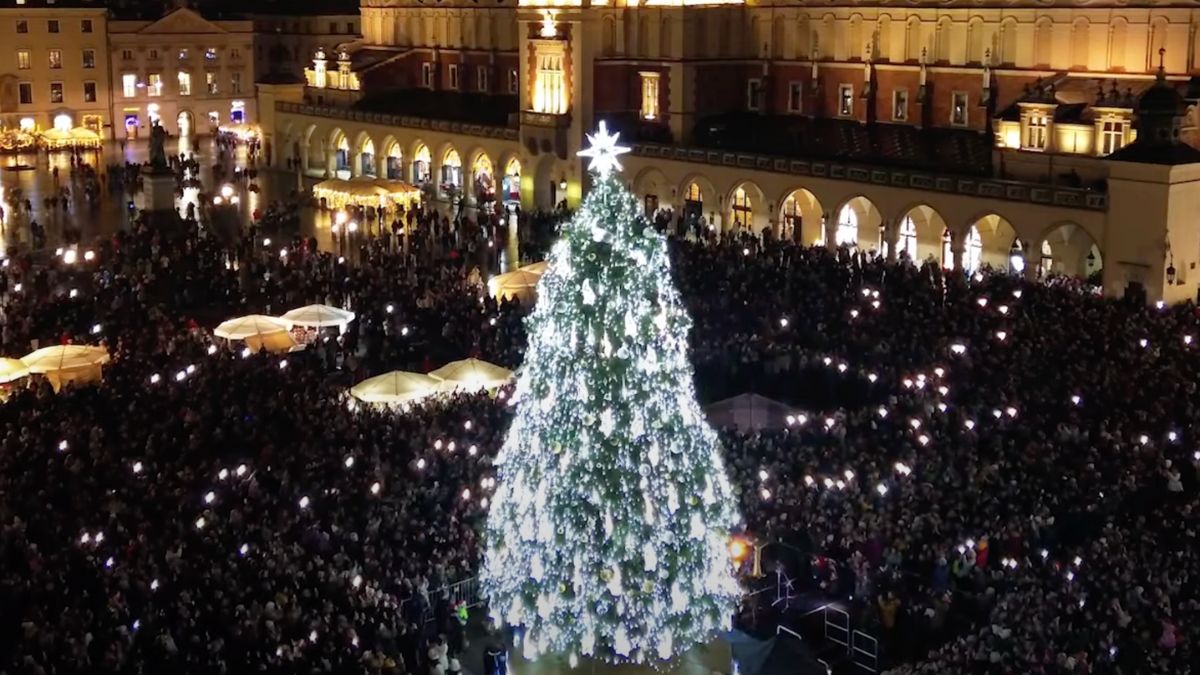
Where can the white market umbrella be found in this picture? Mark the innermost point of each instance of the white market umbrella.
(398, 386)
(65, 357)
(471, 374)
(251, 325)
(319, 316)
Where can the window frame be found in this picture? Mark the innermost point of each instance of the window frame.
(62, 92)
(754, 91)
(796, 97)
(452, 79)
(954, 108)
(427, 74)
(83, 59)
(24, 59)
(23, 87)
(845, 100)
(53, 26)
(95, 92)
(897, 95)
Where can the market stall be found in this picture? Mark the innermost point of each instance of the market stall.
(338, 193)
(61, 364)
(395, 387)
(12, 370)
(79, 138)
(471, 374)
(244, 133)
(251, 325)
(517, 285)
(275, 343)
(319, 316)
(538, 268)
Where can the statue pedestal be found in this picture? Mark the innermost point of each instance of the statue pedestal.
(158, 189)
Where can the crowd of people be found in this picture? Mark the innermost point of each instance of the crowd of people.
(1000, 475)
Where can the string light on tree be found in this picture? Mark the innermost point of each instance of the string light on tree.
(611, 517)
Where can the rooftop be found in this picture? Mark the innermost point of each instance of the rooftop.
(960, 151)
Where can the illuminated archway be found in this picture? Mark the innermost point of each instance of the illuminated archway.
(654, 190)
(341, 152)
(512, 181)
(800, 217)
(395, 161)
(921, 236)
(697, 193)
(422, 162)
(1067, 249)
(483, 179)
(366, 150)
(186, 123)
(741, 209)
(314, 145)
(452, 173)
(996, 240)
(856, 224)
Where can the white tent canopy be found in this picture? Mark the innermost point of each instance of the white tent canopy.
(251, 325)
(471, 374)
(397, 386)
(318, 316)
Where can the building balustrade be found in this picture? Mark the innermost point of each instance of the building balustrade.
(979, 187)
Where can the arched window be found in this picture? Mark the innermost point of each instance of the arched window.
(1047, 261)
(1080, 35)
(742, 209)
(693, 193)
(1008, 42)
(847, 227)
(973, 252)
(907, 243)
(947, 249)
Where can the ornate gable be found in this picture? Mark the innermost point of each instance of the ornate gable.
(182, 21)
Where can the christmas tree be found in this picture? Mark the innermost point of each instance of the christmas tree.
(609, 530)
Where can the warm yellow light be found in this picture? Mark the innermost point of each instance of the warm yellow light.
(62, 122)
(738, 549)
(549, 30)
(27, 124)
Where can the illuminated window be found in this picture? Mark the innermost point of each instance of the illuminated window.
(958, 108)
(742, 210)
(23, 59)
(900, 105)
(514, 82)
(89, 92)
(427, 75)
(183, 54)
(550, 94)
(947, 249)
(650, 96)
(908, 238)
(210, 82)
(1035, 131)
(89, 58)
(210, 54)
(129, 85)
(973, 253)
(56, 92)
(55, 59)
(1112, 136)
(846, 100)
(847, 227)
(693, 193)
(154, 84)
(185, 83)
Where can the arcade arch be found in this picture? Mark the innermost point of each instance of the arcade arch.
(856, 224)
(746, 207)
(921, 234)
(800, 217)
(1067, 249)
(999, 247)
(422, 163)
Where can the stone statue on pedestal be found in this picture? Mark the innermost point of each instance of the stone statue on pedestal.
(158, 156)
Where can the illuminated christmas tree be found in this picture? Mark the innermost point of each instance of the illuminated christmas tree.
(609, 529)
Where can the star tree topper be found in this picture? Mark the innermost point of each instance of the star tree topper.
(604, 151)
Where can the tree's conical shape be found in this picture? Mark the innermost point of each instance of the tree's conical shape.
(609, 529)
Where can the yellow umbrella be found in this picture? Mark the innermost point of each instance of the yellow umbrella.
(276, 343)
(12, 369)
(250, 325)
(318, 316)
(67, 363)
(538, 268)
(398, 386)
(517, 284)
(471, 374)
